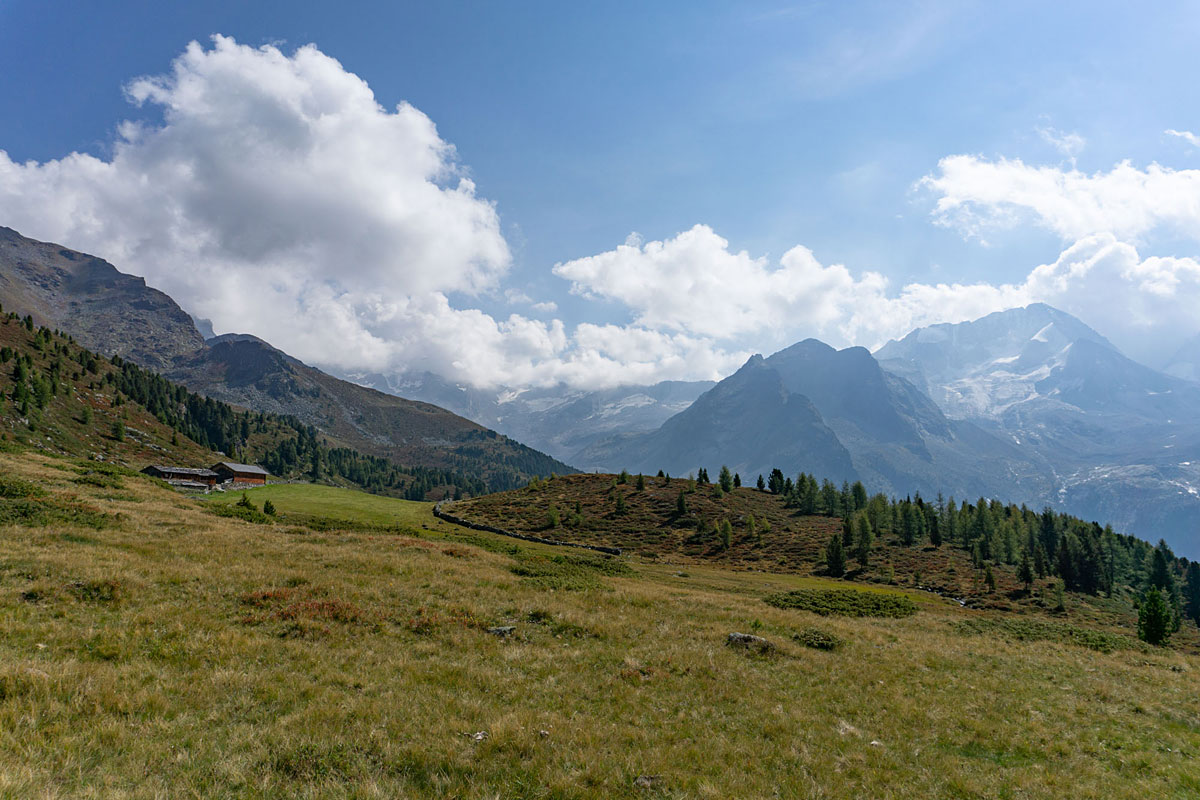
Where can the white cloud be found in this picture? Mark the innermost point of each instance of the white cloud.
(695, 285)
(1187, 136)
(276, 196)
(975, 195)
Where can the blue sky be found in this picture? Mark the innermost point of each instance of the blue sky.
(775, 125)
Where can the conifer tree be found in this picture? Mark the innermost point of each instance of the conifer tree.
(1025, 571)
(1154, 618)
(835, 556)
(989, 579)
(725, 479)
(641, 483)
(862, 544)
(1191, 592)
(681, 507)
(726, 532)
(762, 485)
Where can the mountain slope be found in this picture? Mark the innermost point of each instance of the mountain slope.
(246, 370)
(558, 420)
(105, 310)
(833, 413)
(115, 313)
(1121, 441)
(749, 421)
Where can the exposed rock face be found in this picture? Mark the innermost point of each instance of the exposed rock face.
(104, 309)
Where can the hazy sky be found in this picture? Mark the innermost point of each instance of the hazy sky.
(530, 192)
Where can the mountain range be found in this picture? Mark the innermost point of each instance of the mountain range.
(1029, 404)
(110, 312)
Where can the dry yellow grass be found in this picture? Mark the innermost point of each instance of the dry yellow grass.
(176, 653)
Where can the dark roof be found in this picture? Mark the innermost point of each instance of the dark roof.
(189, 484)
(201, 472)
(249, 469)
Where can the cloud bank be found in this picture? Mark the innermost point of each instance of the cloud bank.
(274, 195)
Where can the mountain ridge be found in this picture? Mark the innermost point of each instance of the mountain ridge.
(112, 312)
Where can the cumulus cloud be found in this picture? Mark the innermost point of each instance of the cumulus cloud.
(975, 195)
(694, 284)
(276, 196)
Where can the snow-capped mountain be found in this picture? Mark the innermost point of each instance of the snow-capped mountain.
(1120, 440)
(985, 367)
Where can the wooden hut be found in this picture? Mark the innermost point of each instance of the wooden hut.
(229, 472)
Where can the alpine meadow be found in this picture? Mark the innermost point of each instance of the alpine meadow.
(771, 400)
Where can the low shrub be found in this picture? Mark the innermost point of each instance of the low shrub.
(818, 639)
(568, 571)
(96, 591)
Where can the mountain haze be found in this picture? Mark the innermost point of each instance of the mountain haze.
(557, 420)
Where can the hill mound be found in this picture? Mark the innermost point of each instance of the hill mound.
(944, 548)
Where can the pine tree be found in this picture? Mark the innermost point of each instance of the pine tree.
(1025, 571)
(1160, 570)
(553, 520)
(269, 508)
(762, 485)
(1191, 592)
(989, 579)
(726, 532)
(641, 483)
(847, 532)
(1154, 618)
(118, 430)
(620, 508)
(725, 479)
(862, 545)
(737, 481)
(835, 556)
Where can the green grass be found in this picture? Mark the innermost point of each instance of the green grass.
(180, 653)
(1036, 630)
(305, 502)
(844, 602)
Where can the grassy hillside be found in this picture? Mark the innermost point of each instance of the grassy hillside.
(149, 647)
(647, 522)
(61, 398)
(249, 372)
(71, 410)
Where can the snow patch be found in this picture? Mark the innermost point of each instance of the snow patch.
(1041, 336)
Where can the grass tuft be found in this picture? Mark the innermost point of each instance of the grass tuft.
(845, 603)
